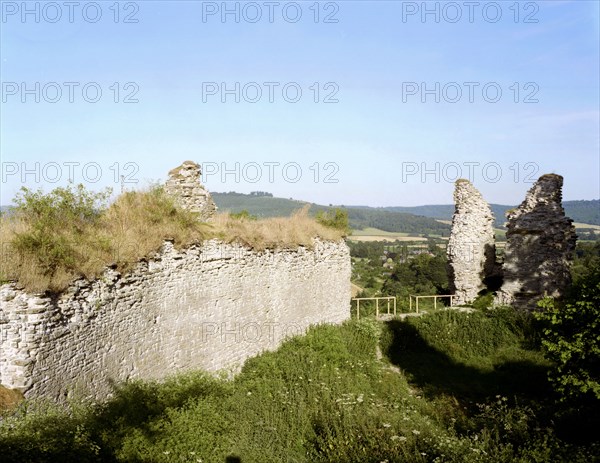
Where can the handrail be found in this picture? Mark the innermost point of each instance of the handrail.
(435, 296)
(376, 299)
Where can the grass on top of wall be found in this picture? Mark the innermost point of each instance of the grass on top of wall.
(48, 240)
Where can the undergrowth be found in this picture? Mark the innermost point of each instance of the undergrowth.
(325, 397)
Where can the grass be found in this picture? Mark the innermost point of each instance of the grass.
(450, 387)
(9, 398)
(53, 239)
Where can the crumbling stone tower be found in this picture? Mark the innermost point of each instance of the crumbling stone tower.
(471, 250)
(184, 185)
(540, 245)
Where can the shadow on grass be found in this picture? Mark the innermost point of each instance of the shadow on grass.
(97, 433)
(435, 372)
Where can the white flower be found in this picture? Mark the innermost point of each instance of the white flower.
(415, 432)
(386, 425)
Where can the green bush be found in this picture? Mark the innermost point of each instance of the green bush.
(483, 301)
(337, 219)
(571, 339)
(56, 222)
(243, 215)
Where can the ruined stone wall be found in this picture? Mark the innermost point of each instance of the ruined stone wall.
(184, 184)
(208, 307)
(540, 245)
(471, 250)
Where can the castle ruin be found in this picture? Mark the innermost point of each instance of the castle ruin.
(539, 248)
(471, 249)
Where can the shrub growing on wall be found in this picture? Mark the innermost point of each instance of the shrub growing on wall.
(337, 219)
(54, 223)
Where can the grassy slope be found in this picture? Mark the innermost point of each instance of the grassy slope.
(469, 389)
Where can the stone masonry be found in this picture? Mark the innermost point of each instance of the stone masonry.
(540, 245)
(185, 186)
(471, 249)
(209, 306)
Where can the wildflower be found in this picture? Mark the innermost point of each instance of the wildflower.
(415, 432)
(386, 425)
(398, 438)
(248, 393)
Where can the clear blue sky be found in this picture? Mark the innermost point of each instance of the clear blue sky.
(376, 60)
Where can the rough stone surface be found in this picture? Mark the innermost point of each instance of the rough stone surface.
(540, 245)
(185, 186)
(204, 307)
(471, 249)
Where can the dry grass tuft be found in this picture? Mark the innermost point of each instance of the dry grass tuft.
(277, 232)
(9, 398)
(50, 256)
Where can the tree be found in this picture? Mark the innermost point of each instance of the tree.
(571, 339)
(423, 274)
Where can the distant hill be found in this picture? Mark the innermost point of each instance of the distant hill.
(580, 211)
(267, 206)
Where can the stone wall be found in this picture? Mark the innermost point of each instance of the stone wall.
(208, 307)
(540, 245)
(471, 250)
(185, 186)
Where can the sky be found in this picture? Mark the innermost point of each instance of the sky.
(379, 103)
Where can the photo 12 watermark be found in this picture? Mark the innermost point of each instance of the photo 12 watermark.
(270, 171)
(69, 12)
(469, 92)
(450, 172)
(469, 12)
(269, 92)
(247, 332)
(69, 92)
(69, 171)
(270, 12)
